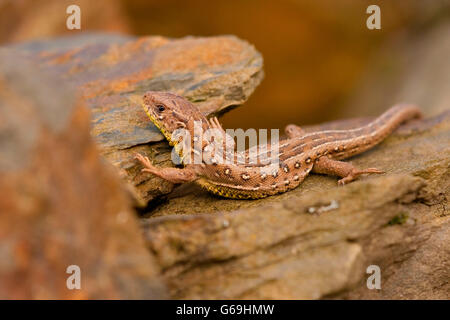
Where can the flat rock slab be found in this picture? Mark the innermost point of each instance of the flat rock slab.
(112, 73)
(316, 241)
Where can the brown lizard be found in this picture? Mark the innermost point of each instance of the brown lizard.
(298, 155)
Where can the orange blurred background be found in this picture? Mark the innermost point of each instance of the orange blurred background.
(315, 52)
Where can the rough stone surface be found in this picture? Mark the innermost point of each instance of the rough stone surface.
(60, 204)
(317, 240)
(112, 73)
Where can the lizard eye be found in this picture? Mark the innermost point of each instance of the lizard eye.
(160, 107)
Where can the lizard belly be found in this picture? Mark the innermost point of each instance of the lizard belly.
(255, 183)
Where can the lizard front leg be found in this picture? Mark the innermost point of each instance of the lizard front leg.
(341, 169)
(293, 131)
(228, 141)
(173, 175)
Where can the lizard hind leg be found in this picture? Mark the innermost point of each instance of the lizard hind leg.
(345, 170)
(293, 131)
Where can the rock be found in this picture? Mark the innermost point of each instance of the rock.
(60, 204)
(112, 73)
(317, 240)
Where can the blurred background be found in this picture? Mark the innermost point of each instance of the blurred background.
(321, 61)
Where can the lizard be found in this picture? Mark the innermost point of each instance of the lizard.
(299, 154)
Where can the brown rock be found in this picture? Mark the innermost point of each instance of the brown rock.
(317, 240)
(60, 204)
(114, 72)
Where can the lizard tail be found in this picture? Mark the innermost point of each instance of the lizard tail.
(376, 131)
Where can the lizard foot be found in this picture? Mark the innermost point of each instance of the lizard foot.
(148, 166)
(355, 173)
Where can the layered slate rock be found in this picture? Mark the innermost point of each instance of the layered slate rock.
(112, 73)
(316, 241)
(60, 203)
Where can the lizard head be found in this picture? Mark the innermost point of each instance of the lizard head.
(170, 112)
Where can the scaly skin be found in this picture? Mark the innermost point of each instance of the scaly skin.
(298, 155)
